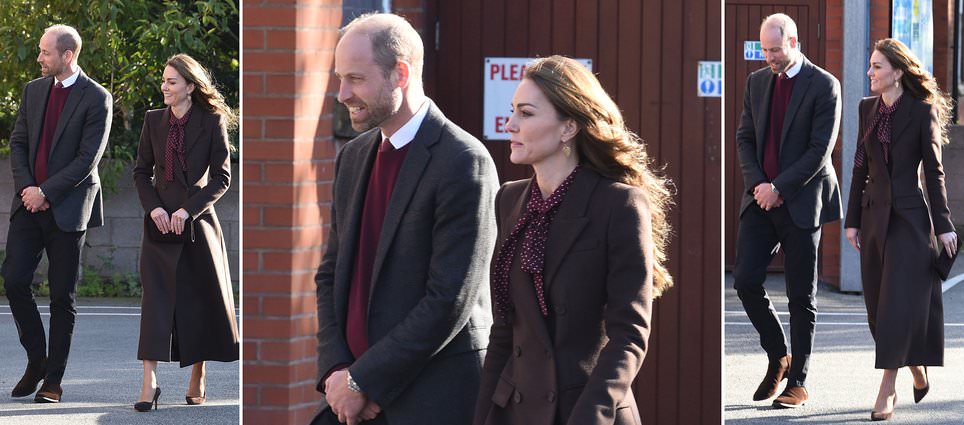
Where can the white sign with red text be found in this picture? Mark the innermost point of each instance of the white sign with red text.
(501, 76)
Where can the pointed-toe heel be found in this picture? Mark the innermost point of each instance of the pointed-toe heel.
(919, 394)
(145, 406)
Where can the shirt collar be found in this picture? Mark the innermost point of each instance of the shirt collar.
(795, 69)
(69, 81)
(407, 133)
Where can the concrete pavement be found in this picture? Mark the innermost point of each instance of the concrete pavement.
(842, 380)
(104, 376)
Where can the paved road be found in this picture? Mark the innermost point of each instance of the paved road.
(842, 380)
(104, 376)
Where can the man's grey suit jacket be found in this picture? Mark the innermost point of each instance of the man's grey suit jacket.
(73, 185)
(429, 310)
(807, 180)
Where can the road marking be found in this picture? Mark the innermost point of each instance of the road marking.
(952, 282)
(818, 313)
(950, 325)
(84, 306)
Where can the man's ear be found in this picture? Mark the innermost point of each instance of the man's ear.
(403, 71)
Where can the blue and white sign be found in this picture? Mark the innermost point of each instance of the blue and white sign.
(752, 51)
(913, 24)
(709, 79)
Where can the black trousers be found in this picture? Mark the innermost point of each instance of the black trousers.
(30, 234)
(760, 234)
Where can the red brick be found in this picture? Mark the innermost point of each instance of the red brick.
(282, 39)
(249, 260)
(285, 150)
(269, 17)
(281, 238)
(270, 61)
(252, 305)
(249, 396)
(280, 84)
(279, 283)
(252, 39)
(255, 416)
(250, 349)
(251, 129)
(252, 216)
(252, 84)
(296, 304)
(299, 172)
(276, 396)
(279, 128)
(251, 171)
(255, 106)
(267, 374)
(286, 215)
(298, 260)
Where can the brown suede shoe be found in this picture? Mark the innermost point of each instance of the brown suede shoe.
(776, 372)
(31, 377)
(49, 393)
(792, 397)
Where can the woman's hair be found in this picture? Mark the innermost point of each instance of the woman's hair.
(205, 93)
(605, 145)
(916, 80)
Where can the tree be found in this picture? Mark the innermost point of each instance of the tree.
(125, 45)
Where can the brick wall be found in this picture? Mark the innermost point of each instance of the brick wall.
(115, 247)
(288, 155)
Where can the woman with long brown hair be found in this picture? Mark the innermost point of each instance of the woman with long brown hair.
(183, 167)
(579, 258)
(897, 234)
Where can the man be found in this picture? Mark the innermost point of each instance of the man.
(791, 111)
(403, 302)
(58, 139)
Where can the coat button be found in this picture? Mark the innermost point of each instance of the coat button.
(551, 397)
(561, 310)
(517, 398)
(518, 351)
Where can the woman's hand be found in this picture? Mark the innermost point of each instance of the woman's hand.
(163, 223)
(853, 235)
(177, 220)
(949, 240)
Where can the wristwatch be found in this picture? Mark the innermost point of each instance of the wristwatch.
(41, 192)
(774, 189)
(352, 385)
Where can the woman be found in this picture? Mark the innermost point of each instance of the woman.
(889, 223)
(183, 168)
(578, 259)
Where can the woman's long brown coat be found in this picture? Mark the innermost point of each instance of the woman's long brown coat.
(577, 366)
(187, 309)
(897, 234)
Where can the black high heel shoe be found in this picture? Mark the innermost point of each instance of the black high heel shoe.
(145, 406)
(919, 394)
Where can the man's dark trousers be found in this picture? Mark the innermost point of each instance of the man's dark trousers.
(758, 237)
(30, 234)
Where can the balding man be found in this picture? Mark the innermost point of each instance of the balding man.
(58, 139)
(403, 302)
(791, 112)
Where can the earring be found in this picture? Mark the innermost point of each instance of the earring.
(566, 150)
(897, 83)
